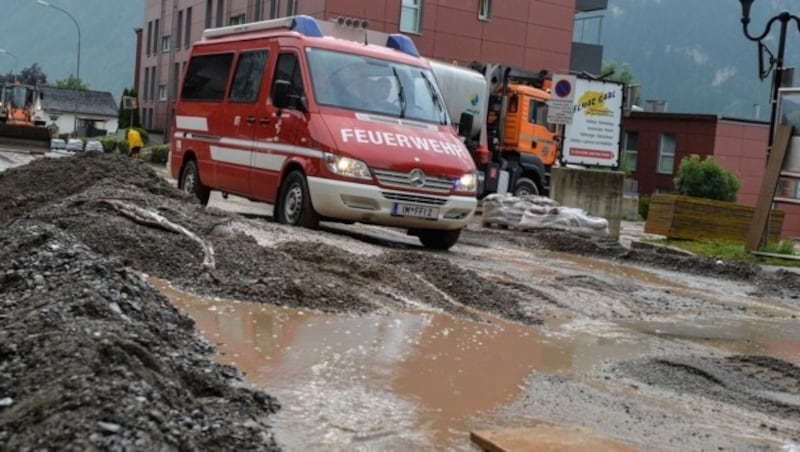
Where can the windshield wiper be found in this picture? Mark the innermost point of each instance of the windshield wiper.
(434, 97)
(400, 93)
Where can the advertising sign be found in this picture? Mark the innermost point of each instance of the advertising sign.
(593, 136)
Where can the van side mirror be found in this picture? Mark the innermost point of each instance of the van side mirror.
(280, 93)
(282, 96)
(465, 124)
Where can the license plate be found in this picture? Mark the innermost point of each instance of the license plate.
(410, 210)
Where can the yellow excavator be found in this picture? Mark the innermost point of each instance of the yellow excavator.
(22, 120)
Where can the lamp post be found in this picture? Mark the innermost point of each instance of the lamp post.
(78, 66)
(784, 18)
(16, 60)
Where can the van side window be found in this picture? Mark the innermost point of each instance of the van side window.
(248, 75)
(288, 68)
(207, 77)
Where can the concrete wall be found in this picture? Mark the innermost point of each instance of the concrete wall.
(599, 193)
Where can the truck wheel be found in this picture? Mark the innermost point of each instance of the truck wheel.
(439, 240)
(190, 182)
(526, 187)
(294, 205)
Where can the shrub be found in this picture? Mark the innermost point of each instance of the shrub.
(644, 206)
(159, 153)
(706, 179)
(109, 144)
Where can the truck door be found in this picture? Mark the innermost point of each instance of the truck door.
(277, 140)
(242, 120)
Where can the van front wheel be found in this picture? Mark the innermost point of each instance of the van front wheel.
(295, 207)
(438, 240)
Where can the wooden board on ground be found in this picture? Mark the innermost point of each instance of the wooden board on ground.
(546, 438)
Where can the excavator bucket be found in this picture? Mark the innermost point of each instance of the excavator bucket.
(24, 137)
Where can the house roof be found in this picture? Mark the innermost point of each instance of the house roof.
(99, 103)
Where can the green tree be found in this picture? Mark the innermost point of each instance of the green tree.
(128, 118)
(32, 75)
(625, 75)
(72, 82)
(706, 179)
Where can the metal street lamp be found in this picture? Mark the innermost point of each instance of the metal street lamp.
(16, 60)
(78, 66)
(784, 18)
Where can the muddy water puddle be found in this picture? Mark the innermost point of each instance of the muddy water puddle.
(416, 381)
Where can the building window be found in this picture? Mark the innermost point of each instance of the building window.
(145, 91)
(155, 37)
(149, 37)
(176, 78)
(165, 44)
(484, 9)
(179, 31)
(187, 36)
(209, 10)
(162, 92)
(153, 83)
(410, 16)
(666, 154)
(238, 20)
(631, 149)
(258, 14)
(291, 7)
(220, 12)
(273, 8)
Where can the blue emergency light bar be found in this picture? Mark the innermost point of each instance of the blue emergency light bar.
(306, 25)
(402, 43)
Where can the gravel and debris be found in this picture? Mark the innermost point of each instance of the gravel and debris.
(94, 357)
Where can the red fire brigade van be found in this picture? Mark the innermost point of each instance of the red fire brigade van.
(323, 128)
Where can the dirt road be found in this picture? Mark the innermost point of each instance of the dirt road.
(665, 351)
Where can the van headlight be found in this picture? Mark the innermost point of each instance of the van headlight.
(345, 166)
(468, 183)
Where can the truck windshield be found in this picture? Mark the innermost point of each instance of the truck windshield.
(373, 85)
(18, 96)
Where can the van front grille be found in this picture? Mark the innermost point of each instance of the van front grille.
(401, 179)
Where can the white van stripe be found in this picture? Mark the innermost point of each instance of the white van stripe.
(268, 161)
(289, 149)
(192, 123)
(228, 155)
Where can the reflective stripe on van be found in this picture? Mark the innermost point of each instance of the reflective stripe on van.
(192, 123)
(237, 151)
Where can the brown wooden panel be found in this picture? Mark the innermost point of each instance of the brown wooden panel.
(755, 233)
(689, 218)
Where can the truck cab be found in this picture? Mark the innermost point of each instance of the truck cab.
(504, 124)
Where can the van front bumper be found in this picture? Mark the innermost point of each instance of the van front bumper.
(350, 201)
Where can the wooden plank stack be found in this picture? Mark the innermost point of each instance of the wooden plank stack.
(689, 218)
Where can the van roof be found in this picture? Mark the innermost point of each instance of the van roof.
(306, 29)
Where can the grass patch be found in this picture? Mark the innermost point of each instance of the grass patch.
(734, 252)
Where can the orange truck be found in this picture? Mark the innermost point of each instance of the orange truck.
(502, 115)
(323, 128)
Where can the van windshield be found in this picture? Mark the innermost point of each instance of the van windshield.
(362, 83)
